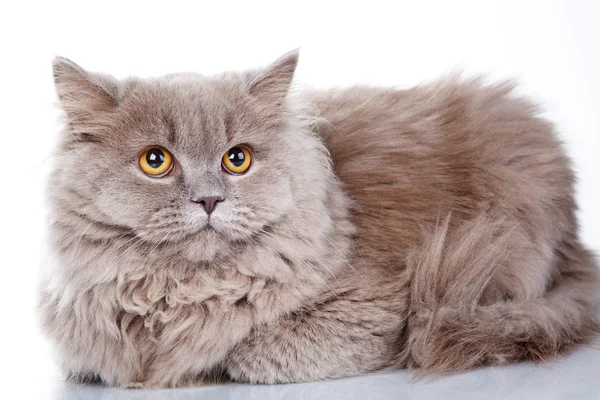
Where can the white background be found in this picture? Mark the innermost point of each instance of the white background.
(551, 47)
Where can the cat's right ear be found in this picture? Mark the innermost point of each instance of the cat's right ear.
(85, 97)
(273, 84)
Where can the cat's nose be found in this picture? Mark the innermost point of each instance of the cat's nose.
(208, 202)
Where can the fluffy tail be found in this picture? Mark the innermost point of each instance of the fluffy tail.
(448, 328)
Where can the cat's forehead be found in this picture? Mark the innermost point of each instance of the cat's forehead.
(184, 95)
(187, 110)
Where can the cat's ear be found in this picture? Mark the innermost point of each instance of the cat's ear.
(273, 84)
(83, 95)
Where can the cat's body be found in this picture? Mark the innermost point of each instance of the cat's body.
(448, 242)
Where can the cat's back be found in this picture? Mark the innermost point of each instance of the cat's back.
(408, 156)
(451, 114)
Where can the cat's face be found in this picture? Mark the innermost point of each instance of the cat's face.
(210, 161)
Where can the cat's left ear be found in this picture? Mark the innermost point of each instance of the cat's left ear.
(85, 97)
(273, 84)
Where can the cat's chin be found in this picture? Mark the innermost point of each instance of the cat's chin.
(205, 246)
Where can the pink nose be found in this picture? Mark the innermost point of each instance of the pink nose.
(208, 202)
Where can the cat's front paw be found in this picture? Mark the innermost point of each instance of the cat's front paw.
(83, 378)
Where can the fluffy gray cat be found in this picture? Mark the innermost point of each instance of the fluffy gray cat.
(222, 227)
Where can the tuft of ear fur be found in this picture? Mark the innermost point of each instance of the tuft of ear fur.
(273, 84)
(85, 97)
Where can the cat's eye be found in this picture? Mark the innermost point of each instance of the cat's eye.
(156, 162)
(237, 160)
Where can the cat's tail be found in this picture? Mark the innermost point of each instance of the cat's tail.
(449, 329)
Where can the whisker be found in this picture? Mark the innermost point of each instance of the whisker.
(323, 279)
(159, 243)
(313, 269)
(347, 235)
(344, 259)
(83, 233)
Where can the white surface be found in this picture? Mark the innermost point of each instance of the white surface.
(575, 377)
(552, 48)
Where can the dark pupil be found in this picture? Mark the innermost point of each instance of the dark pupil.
(236, 156)
(155, 158)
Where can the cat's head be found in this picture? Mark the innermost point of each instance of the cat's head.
(209, 161)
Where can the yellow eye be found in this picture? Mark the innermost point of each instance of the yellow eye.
(237, 160)
(156, 162)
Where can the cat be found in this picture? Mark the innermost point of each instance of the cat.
(232, 227)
